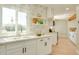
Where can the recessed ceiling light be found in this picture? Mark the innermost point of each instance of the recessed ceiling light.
(67, 8)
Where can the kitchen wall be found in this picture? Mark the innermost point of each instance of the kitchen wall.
(77, 34)
(72, 35)
(61, 27)
(0, 19)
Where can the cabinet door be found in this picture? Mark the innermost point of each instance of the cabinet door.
(53, 39)
(47, 46)
(15, 51)
(15, 48)
(40, 47)
(30, 47)
(73, 37)
(2, 50)
(43, 46)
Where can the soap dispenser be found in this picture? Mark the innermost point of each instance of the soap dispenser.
(50, 29)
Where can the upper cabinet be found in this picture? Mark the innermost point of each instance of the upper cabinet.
(50, 12)
(39, 25)
(41, 19)
(72, 24)
(38, 20)
(38, 10)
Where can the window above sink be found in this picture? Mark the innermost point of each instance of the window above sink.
(13, 22)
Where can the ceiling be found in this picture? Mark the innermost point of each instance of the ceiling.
(59, 10)
(62, 11)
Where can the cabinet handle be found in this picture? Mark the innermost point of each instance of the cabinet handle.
(25, 50)
(22, 50)
(45, 44)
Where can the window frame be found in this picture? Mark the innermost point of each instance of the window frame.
(16, 24)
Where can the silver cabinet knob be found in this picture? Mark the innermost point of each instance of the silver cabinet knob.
(45, 44)
(22, 50)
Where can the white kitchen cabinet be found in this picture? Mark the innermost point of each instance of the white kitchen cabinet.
(22, 48)
(49, 12)
(53, 39)
(40, 46)
(43, 46)
(15, 51)
(73, 37)
(15, 48)
(30, 47)
(47, 46)
(2, 50)
(34, 46)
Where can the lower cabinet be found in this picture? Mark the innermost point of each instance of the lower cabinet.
(30, 47)
(15, 51)
(40, 46)
(22, 48)
(43, 46)
(52, 41)
(2, 50)
(15, 48)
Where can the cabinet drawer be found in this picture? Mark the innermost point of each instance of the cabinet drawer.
(30, 42)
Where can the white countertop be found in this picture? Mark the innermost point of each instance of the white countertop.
(14, 39)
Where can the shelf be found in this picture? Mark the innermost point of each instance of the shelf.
(73, 29)
(73, 17)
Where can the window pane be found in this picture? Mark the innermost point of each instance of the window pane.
(22, 21)
(8, 20)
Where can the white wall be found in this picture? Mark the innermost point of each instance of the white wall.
(61, 27)
(77, 14)
(0, 19)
